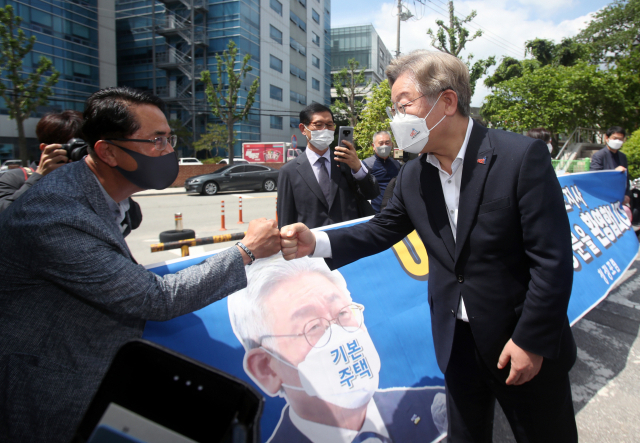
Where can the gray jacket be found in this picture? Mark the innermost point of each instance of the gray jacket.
(71, 295)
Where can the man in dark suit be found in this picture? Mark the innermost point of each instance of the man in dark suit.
(71, 293)
(323, 186)
(611, 158)
(306, 340)
(382, 165)
(490, 212)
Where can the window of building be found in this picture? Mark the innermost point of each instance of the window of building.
(298, 98)
(275, 34)
(315, 16)
(275, 63)
(315, 38)
(303, 2)
(315, 84)
(298, 21)
(298, 47)
(275, 93)
(276, 6)
(276, 122)
(300, 73)
(315, 61)
(294, 122)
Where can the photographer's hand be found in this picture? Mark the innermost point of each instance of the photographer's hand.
(348, 155)
(52, 158)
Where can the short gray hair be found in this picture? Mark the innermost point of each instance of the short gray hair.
(380, 132)
(432, 72)
(247, 311)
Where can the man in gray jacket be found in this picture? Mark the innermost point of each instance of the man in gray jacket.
(72, 294)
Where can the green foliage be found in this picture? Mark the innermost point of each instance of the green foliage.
(566, 53)
(373, 119)
(452, 39)
(185, 136)
(632, 149)
(214, 137)
(557, 98)
(223, 96)
(611, 33)
(25, 91)
(211, 161)
(351, 89)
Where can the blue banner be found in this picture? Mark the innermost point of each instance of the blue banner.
(391, 360)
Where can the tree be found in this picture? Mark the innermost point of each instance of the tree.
(24, 91)
(373, 118)
(223, 98)
(351, 89)
(558, 98)
(185, 136)
(632, 149)
(214, 137)
(566, 53)
(452, 39)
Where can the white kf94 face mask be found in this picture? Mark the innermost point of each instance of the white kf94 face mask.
(615, 144)
(321, 139)
(411, 131)
(344, 372)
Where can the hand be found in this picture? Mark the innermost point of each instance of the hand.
(348, 155)
(620, 168)
(53, 156)
(524, 364)
(297, 241)
(627, 200)
(262, 238)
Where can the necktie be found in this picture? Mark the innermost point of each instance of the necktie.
(370, 437)
(323, 180)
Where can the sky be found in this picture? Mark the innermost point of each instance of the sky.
(507, 25)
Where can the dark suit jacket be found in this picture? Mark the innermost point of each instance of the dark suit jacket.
(397, 408)
(71, 295)
(300, 198)
(512, 261)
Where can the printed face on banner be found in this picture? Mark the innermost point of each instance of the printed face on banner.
(306, 341)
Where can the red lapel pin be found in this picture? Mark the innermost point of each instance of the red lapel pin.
(482, 160)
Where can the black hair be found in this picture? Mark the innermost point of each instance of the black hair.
(59, 127)
(540, 134)
(616, 130)
(314, 108)
(108, 113)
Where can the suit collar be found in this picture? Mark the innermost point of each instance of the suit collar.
(476, 165)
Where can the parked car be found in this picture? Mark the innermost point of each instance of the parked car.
(234, 177)
(189, 161)
(10, 164)
(236, 160)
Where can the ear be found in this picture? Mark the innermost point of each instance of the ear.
(450, 99)
(257, 364)
(106, 152)
(42, 146)
(302, 129)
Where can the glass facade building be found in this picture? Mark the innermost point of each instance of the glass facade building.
(163, 46)
(69, 33)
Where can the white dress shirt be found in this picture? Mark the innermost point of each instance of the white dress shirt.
(450, 189)
(319, 433)
(315, 164)
(118, 210)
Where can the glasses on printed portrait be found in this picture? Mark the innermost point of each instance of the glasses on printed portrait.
(159, 143)
(350, 318)
(317, 126)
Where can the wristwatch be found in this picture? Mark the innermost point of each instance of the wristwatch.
(248, 251)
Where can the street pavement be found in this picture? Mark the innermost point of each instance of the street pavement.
(605, 379)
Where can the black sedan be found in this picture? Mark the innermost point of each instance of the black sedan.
(234, 177)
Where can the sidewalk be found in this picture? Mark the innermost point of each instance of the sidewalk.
(152, 192)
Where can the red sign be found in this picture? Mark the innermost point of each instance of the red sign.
(264, 152)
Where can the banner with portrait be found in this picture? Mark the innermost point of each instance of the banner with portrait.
(328, 348)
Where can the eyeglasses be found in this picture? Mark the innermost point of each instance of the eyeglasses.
(350, 318)
(321, 125)
(398, 107)
(159, 143)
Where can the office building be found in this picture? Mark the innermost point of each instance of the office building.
(78, 36)
(165, 47)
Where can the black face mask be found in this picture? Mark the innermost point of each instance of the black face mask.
(152, 172)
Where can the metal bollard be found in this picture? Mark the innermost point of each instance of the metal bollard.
(178, 219)
(222, 228)
(185, 250)
(240, 215)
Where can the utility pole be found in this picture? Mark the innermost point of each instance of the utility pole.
(398, 37)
